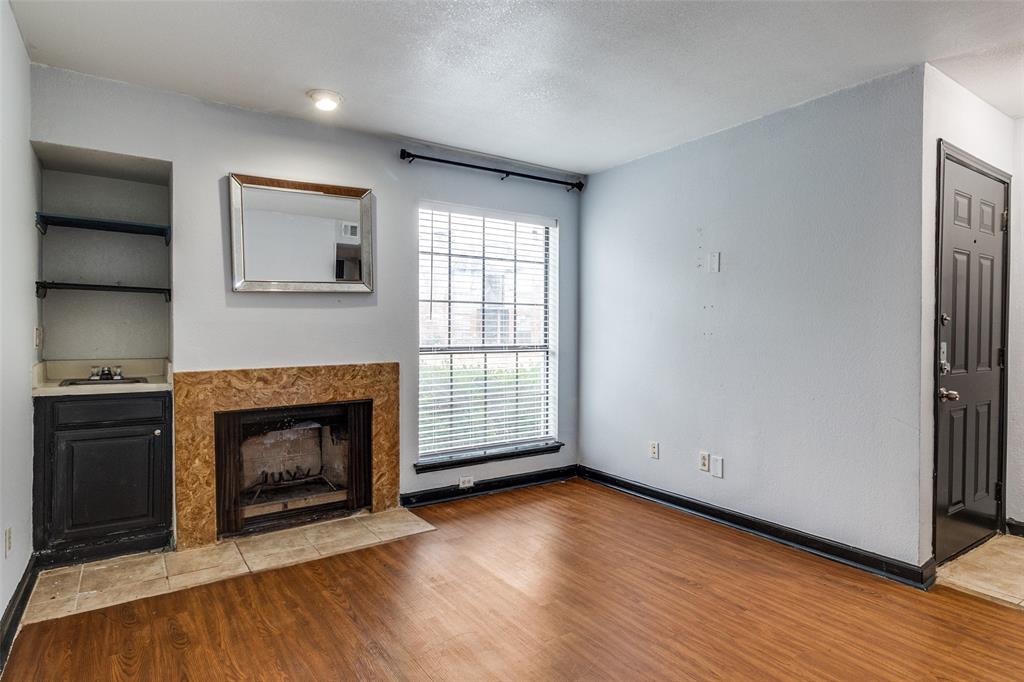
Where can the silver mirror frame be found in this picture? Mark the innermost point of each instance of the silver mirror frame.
(367, 219)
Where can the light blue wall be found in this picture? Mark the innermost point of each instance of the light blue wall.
(215, 328)
(19, 260)
(799, 361)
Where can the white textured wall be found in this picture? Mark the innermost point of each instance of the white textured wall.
(19, 259)
(953, 113)
(799, 361)
(214, 328)
(91, 324)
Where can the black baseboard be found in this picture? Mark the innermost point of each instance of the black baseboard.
(917, 576)
(491, 485)
(1014, 527)
(15, 609)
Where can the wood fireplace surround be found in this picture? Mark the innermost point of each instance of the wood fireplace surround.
(199, 396)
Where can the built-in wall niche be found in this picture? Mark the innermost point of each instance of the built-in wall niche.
(104, 275)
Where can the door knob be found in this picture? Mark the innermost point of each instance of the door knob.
(158, 431)
(945, 395)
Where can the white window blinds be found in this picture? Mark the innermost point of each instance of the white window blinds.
(488, 330)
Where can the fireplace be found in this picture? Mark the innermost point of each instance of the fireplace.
(283, 466)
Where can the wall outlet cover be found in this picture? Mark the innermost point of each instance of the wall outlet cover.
(466, 482)
(654, 449)
(715, 261)
(8, 541)
(705, 461)
(717, 467)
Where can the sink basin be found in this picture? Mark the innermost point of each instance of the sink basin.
(104, 382)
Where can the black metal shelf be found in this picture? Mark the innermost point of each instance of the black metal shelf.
(43, 287)
(45, 220)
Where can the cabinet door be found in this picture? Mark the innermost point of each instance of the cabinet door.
(110, 481)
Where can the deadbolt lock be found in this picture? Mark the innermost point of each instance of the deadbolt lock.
(943, 368)
(944, 318)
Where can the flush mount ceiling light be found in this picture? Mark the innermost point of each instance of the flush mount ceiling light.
(325, 100)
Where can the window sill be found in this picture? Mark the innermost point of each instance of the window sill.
(469, 458)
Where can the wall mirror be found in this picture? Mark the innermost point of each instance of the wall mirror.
(300, 236)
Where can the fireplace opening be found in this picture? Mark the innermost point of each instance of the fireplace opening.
(283, 466)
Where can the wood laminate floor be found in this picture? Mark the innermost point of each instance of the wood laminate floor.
(563, 581)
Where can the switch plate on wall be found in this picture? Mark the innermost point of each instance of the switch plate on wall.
(705, 461)
(37, 338)
(715, 261)
(8, 541)
(717, 467)
(654, 449)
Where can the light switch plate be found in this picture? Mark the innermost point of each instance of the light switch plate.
(715, 261)
(37, 338)
(717, 466)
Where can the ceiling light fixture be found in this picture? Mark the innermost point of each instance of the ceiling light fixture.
(325, 100)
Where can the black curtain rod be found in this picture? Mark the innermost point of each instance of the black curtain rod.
(406, 155)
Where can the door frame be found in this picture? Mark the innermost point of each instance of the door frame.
(950, 153)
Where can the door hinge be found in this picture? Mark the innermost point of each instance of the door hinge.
(1006, 219)
(999, 491)
(1001, 357)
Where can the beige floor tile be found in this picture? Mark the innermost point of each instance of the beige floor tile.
(394, 524)
(204, 565)
(45, 609)
(57, 584)
(264, 561)
(351, 530)
(87, 601)
(208, 575)
(60, 570)
(270, 543)
(122, 571)
(983, 591)
(339, 536)
(191, 560)
(994, 570)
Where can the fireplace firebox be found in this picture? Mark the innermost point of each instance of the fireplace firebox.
(283, 466)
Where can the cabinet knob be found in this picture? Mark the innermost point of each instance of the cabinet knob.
(157, 432)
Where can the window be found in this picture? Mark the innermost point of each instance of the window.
(488, 330)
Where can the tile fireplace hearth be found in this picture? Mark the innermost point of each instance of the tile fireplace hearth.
(84, 587)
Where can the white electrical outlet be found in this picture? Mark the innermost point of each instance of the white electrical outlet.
(8, 541)
(717, 464)
(466, 481)
(654, 449)
(705, 461)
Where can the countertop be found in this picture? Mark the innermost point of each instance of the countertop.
(48, 374)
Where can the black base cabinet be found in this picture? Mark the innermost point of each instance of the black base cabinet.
(102, 483)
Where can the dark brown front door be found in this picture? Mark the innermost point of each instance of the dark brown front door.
(969, 353)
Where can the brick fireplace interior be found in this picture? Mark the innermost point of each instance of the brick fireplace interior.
(283, 466)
